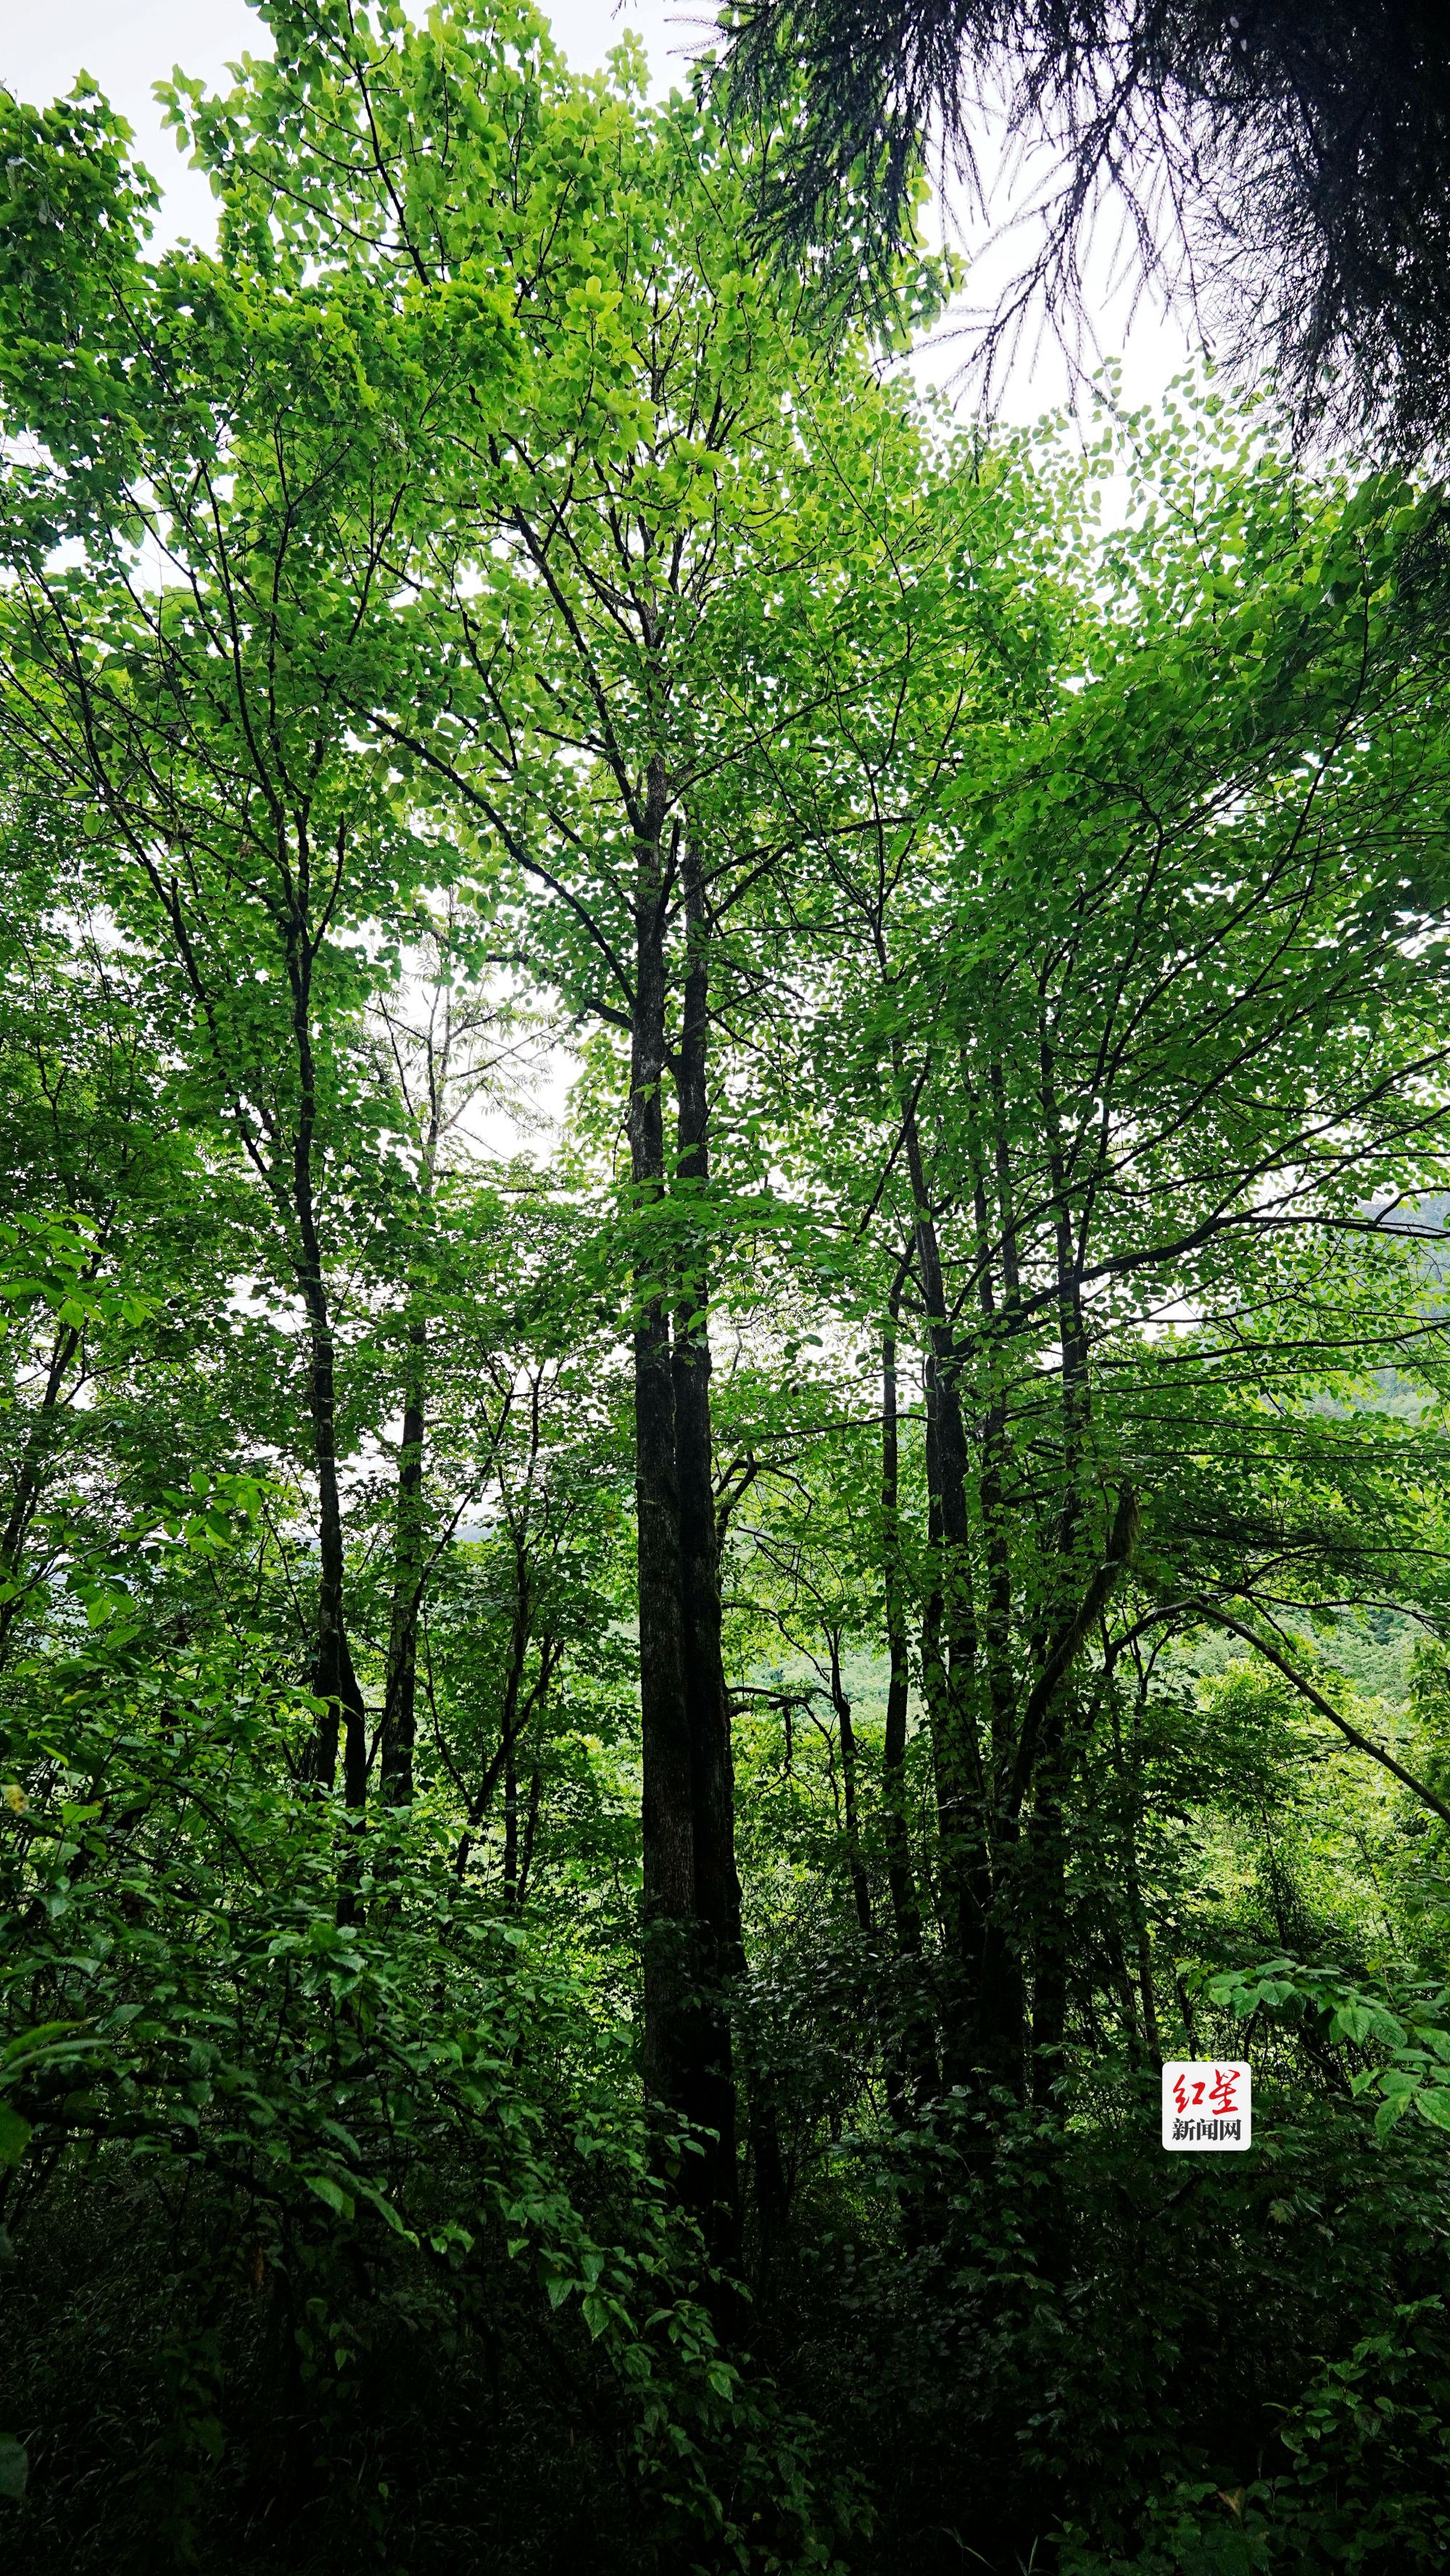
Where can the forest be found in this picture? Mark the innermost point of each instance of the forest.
(725, 1119)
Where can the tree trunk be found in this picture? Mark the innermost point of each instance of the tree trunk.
(510, 1824)
(531, 1829)
(509, 1723)
(860, 1885)
(334, 1682)
(399, 1727)
(915, 2058)
(671, 2053)
(906, 1915)
(1129, 1774)
(717, 1885)
(992, 1502)
(39, 1442)
(1017, 1884)
(399, 1707)
(1047, 1859)
(949, 1638)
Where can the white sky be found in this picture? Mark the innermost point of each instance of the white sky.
(126, 45)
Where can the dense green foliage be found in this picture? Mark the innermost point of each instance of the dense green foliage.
(627, 1736)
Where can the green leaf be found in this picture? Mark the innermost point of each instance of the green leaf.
(331, 2192)
(15, 2135)
(1352, 2021)
(14, 2468)
(1398, 2082)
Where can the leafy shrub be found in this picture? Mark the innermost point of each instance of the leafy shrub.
(319, 2209)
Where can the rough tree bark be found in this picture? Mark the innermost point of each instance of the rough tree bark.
(949, 1632)
(334, 1681)
(914, 2065)
(672, 2055)
(860, 1884)
(717, 1887)
(39, 1444)
(399, 1727)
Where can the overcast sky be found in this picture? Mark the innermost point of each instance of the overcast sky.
(126, 45)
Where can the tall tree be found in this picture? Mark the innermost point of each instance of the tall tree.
(236, 472)
(561, 682)
(1127, 1079)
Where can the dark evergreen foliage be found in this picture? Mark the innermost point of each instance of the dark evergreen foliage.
(1283, 166)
